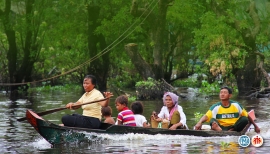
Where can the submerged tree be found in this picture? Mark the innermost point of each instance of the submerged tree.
(167, 32)
(24, 31)
(156, 21)
(230, 38)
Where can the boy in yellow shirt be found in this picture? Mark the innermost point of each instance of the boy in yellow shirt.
(227, 115)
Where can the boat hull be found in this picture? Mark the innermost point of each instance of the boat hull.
(56, 134)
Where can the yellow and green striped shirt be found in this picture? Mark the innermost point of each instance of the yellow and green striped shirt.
(226, 116)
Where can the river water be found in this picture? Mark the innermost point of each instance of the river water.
(20, 137)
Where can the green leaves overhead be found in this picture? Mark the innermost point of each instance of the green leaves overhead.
(219, 45)
(220, 33)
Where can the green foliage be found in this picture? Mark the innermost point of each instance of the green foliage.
(224, 38)
(189, 82)
(123, 81)
(182, 18)
(66, 42)
(194, 30)
(207, 88)
(198, 116)
(224, 145)
(149, 84)
(132, 98)
(123, 75)
(212, 42)
(151, 89)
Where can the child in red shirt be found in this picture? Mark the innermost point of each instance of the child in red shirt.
(125, 115)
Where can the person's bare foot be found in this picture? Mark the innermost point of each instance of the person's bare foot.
(231, 129)
(61, 124)
(216, 127)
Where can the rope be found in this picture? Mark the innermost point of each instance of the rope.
(104, 51)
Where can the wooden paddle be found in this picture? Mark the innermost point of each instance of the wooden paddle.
(62, 108)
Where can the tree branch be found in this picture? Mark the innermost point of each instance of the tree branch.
(140, 64)
(137, 12)
(8, 6)
(265, 74)
(253, 12)
(260, 54)
(1, 12)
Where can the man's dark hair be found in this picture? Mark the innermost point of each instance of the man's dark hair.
(137, 107)
(93, 79)
(229, 89)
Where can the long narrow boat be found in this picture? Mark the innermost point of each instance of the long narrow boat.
(56, 134)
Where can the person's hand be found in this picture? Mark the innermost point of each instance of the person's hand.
(198, 126)
(158, 119)
(108, 94)
(173, 127)
(146, 124)
(257, 129)
(69, 105)
(154, 115)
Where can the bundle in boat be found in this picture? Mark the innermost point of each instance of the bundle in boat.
(163, 124)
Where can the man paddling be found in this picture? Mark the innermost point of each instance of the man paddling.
(226, 115)
(91, 117)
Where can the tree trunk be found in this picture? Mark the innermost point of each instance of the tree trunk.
(157, 31)
(140, 64)
(247, 77)
(29, 56)
(20, 72)
(158, 38)
(12, 57)
(100, 65)
(12, 50)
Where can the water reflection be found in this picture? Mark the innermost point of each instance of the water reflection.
(140, 143)
(20, 137)
(152, 146)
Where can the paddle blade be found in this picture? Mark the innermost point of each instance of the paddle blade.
(251, 113)
(21, 119)
(44, 113)
(62, 108)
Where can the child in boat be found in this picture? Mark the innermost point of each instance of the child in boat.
(107, 114)
(125, 115)
(137, 109)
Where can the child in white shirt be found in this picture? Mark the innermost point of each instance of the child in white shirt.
(137, 109)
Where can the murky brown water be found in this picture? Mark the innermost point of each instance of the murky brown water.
(20, 137)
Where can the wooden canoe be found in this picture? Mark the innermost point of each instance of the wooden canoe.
(56, 134)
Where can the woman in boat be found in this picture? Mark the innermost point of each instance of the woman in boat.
(125, 115)
(91, 117)
(137, 109)
(107, 114)
(172, 112)
(226, 115)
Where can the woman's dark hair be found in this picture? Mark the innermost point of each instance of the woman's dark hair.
(229, 89)
(123, 99)
(137, 107)
(106, 111)
(93, 79)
